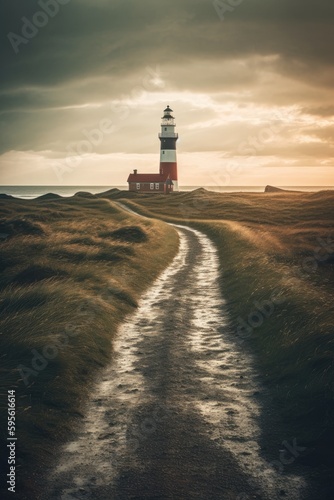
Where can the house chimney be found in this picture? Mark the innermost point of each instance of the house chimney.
(135, 171)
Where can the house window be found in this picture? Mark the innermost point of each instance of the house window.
(138, 185)
(152, 185)
(157, 185)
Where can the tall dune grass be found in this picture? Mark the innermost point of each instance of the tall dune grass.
(70, 272)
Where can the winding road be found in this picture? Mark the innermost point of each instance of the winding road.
(176, 414)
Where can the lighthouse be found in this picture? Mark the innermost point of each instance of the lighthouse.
(168, 138)
(165, 181)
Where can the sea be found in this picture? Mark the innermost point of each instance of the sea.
(30, 192)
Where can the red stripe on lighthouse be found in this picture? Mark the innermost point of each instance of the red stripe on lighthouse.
(170, 169)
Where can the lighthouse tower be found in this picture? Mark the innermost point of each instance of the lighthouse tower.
(166, 180)
(168, 138)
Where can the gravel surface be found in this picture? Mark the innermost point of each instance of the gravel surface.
(179, 412)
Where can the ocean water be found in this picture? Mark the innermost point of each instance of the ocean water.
(30, 192)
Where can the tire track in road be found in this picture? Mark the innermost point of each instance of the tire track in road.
(174, 416)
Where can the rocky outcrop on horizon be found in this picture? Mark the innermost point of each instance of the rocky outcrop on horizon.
(273, 189)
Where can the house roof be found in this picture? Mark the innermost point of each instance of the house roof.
(147, 177)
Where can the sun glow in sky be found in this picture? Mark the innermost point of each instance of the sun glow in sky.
(82, 99)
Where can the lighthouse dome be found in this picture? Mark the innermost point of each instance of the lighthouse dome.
(168, 114)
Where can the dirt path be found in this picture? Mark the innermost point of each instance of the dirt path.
(176, 415)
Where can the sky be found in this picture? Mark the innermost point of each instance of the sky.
(84, 84)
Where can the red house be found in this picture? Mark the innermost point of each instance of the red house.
(150, 183)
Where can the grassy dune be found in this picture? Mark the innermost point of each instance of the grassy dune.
(71, 269)
(277, 274)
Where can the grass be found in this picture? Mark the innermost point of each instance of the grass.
(276, 253)
(71, 270)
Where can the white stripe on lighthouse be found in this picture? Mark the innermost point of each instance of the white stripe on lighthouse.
(168, 131)
(168, 156)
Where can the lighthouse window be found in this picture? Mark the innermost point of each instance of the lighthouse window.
(163, 152)
(151, 185)
(165, 128)
(138, 185)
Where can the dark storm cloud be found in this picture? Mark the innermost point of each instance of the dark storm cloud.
(87, 38)
(92, 51)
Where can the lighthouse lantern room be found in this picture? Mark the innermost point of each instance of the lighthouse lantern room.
(166, 181)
